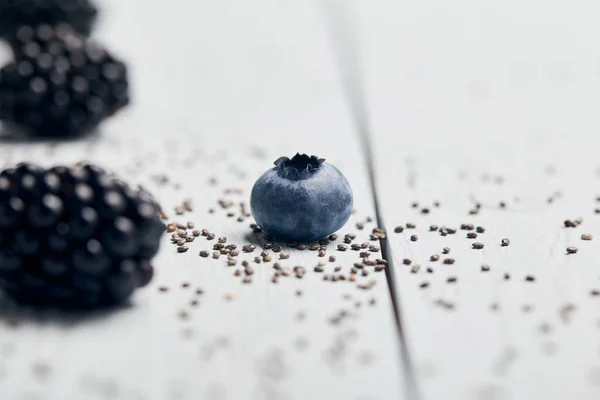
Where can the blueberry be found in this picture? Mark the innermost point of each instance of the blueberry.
(301, 199)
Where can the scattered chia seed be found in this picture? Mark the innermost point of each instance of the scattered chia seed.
(434, 258)
(406, 261)
(467, 227)
(204, 253)
(182, 249)
(410, 225)
(586, 236)
(480, 229)
(424, 285)
(449, 261)
(572, 250)
(478, 245)
(446, 250)
(451, 279)
(530, 278)
(414, 238)
(433, 228)
(485, 268)
(342, 247)
(471, 235)
(399, 229)
(504, 242)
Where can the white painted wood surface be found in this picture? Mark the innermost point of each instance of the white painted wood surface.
(221, 90)
(477, 101)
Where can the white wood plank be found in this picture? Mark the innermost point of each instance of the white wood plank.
(490, 102)
(221, 90)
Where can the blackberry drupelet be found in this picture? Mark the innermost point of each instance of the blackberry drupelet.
(80, 14)
(74, 237)
(60, 85)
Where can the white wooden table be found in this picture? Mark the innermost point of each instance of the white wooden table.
(480, 113)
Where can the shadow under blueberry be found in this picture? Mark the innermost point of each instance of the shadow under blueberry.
(13, 134)
(13, 313)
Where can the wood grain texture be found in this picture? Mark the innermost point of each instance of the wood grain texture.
(221, 89)
(483, 102)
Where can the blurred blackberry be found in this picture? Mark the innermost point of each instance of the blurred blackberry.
(60, 84)
(74, 237)
(80, 14)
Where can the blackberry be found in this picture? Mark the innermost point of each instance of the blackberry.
(80, 14)
(74, 237)
(60, 84)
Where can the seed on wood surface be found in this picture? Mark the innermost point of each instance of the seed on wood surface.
(410, 225)
(171, 228)
(196, 233)
(451, 279)
(424, 285)
(586, 236)
(284, 256)
(478, 245)
(467, 227)
(333, 237)
(218, 246)
(572, 250)
(415, 205)
(449, 261)
(337, 269)
(210, 236)
(471, 235)
(342, 247)
(204, 232)
(506, 276)
(502, 204)
(485, 268)
(182, 249)
(314, 247)
(414, 238)
(204, 253)
(277, 248)
(301, 246)
(185, 285)
(374, 249)
(364, 254)
(595, 292)
(446, 250)
(399, 229)
(324, 242)
(415, 268)
(360, 226)
(267, 259)
(247, 280)
(216, 254)
(433, 228)
(237, 272)
(530, 278)
(436, 203)
(504, 242)
(163, 289)
(319, 269)
(351, 236)
(429, 270)
(322, 253)
(434, 257)
(355, 247)
(406, 261)
(222, 239)
(480, 229)
(298, 293)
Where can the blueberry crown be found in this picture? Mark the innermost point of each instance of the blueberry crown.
(298, 167)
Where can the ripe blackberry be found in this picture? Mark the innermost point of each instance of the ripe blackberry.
(80, 14)
(60, 84)
(74, 237)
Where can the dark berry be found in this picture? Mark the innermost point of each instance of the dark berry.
(74, 237)
(60, 85)
(80, 14)
(302, 199)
